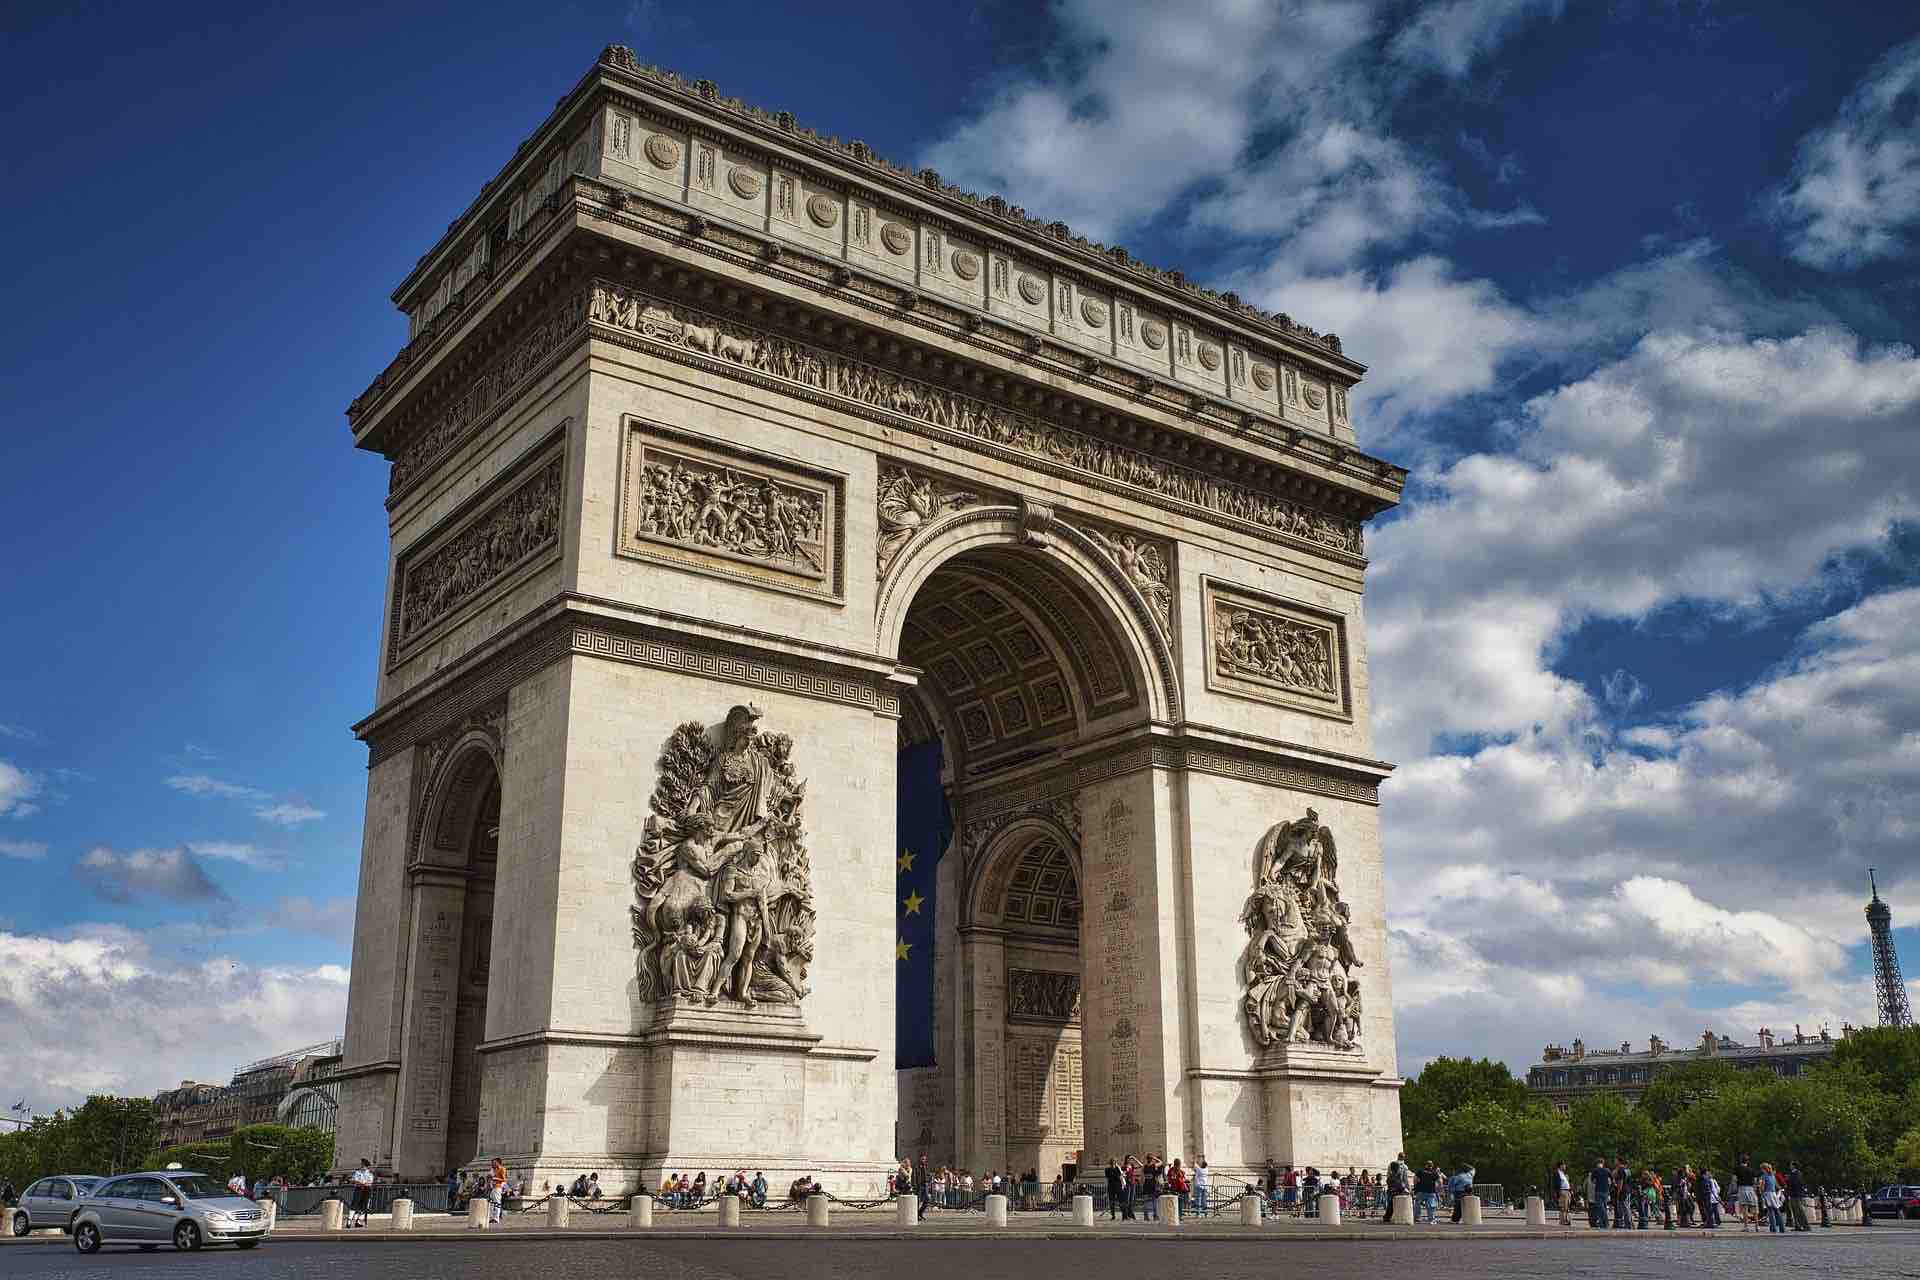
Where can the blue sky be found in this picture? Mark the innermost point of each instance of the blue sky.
(1633, 281)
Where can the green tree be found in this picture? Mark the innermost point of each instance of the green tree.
(276, 1150)
(1906, 1153)
(1677, 1088)
(1446, 1083)
(1888, 1056)
(1602, 1127)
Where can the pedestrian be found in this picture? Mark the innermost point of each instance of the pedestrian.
(496, 1191)
(757, 1189)
(237, 1184)
(1709, 1193)
(1426, 1193)
(1747, 1195)
(1622, 1194)
(1310, 1193)
(1396, 1183)
(920, 1181)
(1797, 1198)
(1599, 1194)
(1202, 1187)
(1116, 1188)
(1773, 1198)
(1178, 1183)
(362, 1179)
(1461, 1184)
(1561, 1187)
(1150, 1188)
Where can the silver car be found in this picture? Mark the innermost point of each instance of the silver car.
(186, 1210)
(51, 1202)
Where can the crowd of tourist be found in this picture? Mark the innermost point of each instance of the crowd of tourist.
(1762, 1197)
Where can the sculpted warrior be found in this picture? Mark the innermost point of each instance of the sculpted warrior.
(1299, 958)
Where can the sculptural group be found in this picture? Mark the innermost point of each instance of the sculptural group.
(1299, 959)
(724, 899)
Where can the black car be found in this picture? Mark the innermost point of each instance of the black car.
(1897, 1201)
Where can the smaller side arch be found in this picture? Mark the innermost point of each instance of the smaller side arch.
(986, 875)
(454, 789)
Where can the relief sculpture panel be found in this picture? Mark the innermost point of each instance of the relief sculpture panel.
(714, 508)
(1043, 994)
(1274, 650)
(1299, 960)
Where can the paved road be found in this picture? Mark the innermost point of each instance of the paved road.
(1885, 1253)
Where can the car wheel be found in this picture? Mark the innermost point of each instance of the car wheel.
(186, 1237)
(86, 1238)
(22, 1224)
(246, 1244)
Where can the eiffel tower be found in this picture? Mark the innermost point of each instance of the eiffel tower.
(1888, 987)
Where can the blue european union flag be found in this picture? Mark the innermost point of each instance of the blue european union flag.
(923, 828)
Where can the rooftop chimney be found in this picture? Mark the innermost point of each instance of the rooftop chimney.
(1579, 1049)
(1766, 1037)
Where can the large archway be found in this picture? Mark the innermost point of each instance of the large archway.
(1028, 651)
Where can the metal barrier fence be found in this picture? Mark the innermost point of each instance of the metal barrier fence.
(300, 1202)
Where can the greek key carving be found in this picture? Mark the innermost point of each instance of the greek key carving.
(837, 375)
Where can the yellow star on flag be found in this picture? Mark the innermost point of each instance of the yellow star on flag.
(900, 949)
(905, 860)
(913, 904)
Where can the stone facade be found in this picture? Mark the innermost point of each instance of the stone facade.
(726, 460)
(1564, 1076)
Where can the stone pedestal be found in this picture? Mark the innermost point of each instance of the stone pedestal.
(996, 1211)
(1083, 1211)
(403, 1214)
(640, 1213)
(1326, 1106)
(729, 1210)
(477, 1211)
(1470, 1211)
(559, 1211)
(906, 1211)
(1169, 1211)
(1403, 1210)
(332, 1215)
(816, 1211)
(1329, 1211)
(270, 1208)
(1250, 1210)
(1536, 1211)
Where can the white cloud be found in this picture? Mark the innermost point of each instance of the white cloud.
(140, 875)
(326, 918)
(20, 791)
(289, 813)
(23, 849)
(16, 731)
(248, 855)
(200, 784)
(1855, 191)
(98, 1011)
(1448, 36)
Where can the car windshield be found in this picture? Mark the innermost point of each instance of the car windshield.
(199, 1187)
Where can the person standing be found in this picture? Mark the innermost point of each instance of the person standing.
(1622, 1194)
(1461, 1185)
(362, 1180)
(921, 1182)
(1202, 1187)
(1563, 1193)
(1746, 1196)
(1797, 1198)
(1178, 1184)
(496, 1191)
(1426, 1193)
(1150, 1188)
(1116, 1188)
(1599, 1195)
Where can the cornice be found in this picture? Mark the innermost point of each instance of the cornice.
(699, 107)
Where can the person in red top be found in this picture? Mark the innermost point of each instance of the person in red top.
(1177, 1182)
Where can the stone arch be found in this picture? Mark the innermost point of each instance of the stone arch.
(1031, 529)
(457, 786)
(990, 873)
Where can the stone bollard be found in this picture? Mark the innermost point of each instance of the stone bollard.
(729, 1210)
(816, 1211)
(559, 1211)
(640, 1213)
(332, 1215)
(1536, 1211)
(1469, 1211)
(270, 1213)
(1169, 1211)
(1329, 1211)
(1083, 1211)
(403, 1214)
(906, 1211)
(1249, 1211)
(996, 1211)
(1403, 1210)
(477, 1211)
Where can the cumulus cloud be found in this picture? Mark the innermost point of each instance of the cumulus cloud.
(1854, 195)
(100, 1011)
(140, 875)
(247, 855)
(324, 918)
(20, 791)
(27, 849)
(284, 813)
(1450, 35)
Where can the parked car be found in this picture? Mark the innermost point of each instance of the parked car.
(51, 1202)
(151, 1209)
(1897, 1201)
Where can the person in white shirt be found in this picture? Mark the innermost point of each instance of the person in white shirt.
(362, 1179)
(237, 1184)
(1563, 1192)
(1202, 1187)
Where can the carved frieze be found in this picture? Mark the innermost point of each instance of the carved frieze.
(1299, 962)
(1043, 995)
(722, 881)
(714, 507)
(480, 553)
(907, 504)
(491, 388)
(1275, 650)
(1144, 562)
(835, 375)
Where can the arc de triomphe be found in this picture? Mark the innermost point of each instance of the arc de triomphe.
(729, 460)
